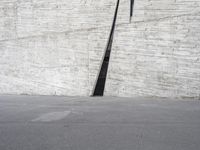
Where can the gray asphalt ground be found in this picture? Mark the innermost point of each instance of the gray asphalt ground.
(108, 123)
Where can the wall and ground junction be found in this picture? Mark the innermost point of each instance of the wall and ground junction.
(50, 47)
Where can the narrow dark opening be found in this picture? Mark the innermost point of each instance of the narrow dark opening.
(100, 84)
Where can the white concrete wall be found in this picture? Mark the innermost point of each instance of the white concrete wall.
(159, 53)
(50, 47)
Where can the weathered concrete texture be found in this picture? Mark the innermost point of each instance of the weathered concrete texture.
(158, 54)
(50, 47)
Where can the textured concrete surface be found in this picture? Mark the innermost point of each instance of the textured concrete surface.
(80, 123)
(50, 47)
(158, 54)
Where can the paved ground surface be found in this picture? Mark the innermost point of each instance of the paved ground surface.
(76, 123)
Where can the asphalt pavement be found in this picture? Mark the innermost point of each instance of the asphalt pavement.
(98, 123)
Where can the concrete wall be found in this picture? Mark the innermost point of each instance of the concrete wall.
(50, 47)
(159, 53)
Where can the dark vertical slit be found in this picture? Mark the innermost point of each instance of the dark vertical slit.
(131, 8)
(100, 84)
